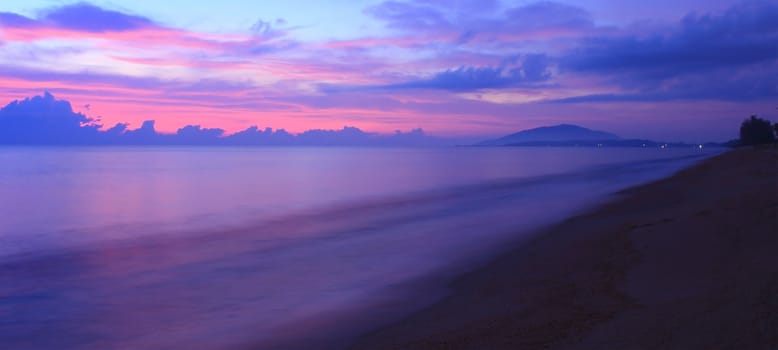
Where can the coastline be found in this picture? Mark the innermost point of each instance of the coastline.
(684, 262)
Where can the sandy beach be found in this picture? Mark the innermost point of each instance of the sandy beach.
(688, 262)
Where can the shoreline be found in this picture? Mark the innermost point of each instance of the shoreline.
(684, 261)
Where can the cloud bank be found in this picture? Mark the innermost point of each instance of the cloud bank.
(44, 120)
(732, 56)
(452, 67)
(83, 17)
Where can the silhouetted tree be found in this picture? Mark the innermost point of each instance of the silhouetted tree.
(775, 126)
(755, 131)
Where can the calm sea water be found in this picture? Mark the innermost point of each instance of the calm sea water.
(268, 248)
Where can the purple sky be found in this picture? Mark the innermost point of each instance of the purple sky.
(670, 70)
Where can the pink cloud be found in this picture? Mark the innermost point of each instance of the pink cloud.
(444, 73)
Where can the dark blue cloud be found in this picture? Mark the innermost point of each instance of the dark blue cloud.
(468, 6)
(90, 18)
(266, 137)
(145, 135)
(530, 69)
(196, 135)
(741, 87)
(410, 16)
(744, 35)
(79, 17)
(546, 15)
(467, 18)
(731, 56)
(44, 120)
(8, 19)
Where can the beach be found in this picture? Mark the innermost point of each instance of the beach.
(388, 174)
(685, 262)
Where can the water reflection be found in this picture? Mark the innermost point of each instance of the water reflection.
(310, 272)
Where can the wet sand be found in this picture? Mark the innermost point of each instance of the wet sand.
(690, 261)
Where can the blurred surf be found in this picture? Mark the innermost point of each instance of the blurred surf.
(235, 270)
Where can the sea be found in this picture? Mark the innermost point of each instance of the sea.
(271, 248)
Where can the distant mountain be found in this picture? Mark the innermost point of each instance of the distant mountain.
(615, 143)
(566, 135)
(563, 133)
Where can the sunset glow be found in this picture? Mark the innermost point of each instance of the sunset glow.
(474, 68)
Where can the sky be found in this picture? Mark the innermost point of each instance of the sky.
(675, 70)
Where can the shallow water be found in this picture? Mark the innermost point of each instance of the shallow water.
(213, 248)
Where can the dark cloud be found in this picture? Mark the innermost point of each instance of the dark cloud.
(744, 35)
(266, 137)
(44, 120)
(118, 129)
(465, 6)
(8, 19)
(545, 15)
(731, 56)
(90, 18)
(83, 17)
(410, 16)
(529, 69)
(196, 135)
(467, 18)
(741, 87)
(145, 135)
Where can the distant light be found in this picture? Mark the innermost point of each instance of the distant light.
(700, 146)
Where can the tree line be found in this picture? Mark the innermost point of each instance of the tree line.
(757, 131)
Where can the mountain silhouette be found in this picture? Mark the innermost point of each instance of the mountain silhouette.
(563, 133)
